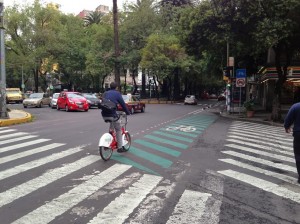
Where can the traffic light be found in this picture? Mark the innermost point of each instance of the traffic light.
(226, 71)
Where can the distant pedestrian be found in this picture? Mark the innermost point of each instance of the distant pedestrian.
(293, 118)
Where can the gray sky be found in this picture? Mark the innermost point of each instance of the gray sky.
(72, 6)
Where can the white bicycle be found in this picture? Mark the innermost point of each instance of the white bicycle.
(183, 128)
(108, 142)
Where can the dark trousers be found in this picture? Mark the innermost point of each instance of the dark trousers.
(297, 150)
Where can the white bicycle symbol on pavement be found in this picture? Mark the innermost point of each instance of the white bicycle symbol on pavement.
(183, 128)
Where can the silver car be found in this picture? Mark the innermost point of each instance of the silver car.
(37, 100)
(190, 99)
(53, 102)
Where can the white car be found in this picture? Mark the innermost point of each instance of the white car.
(53, 102)
(190, 99)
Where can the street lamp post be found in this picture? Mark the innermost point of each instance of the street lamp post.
(3, 109)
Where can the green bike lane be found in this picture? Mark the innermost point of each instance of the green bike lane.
(162, 147)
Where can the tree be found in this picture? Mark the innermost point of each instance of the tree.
(93, 18)
(140, 21)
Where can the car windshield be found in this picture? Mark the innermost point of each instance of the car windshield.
(89, 96)
(36, 95)
(126, 98)
(13, 91)
(55, 95)
(190, 96)
(74, 95)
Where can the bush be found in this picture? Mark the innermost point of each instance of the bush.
(249, 105)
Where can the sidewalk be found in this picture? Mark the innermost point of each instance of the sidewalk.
(260, 116)
(16, 117)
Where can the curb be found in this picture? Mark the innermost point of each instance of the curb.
(253, 120)
(13, 121)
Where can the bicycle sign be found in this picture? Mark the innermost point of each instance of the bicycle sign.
(183, 128)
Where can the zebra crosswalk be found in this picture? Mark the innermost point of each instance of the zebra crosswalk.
(42, 181)
(34, 191)
(264, 150)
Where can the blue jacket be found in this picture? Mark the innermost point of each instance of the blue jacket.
(293, 117)
(116, 97)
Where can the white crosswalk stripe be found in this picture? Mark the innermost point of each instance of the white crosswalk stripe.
(263, 150)
(140, 195)
(190, 201)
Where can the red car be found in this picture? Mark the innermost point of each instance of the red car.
(71, 101)
(133, 104)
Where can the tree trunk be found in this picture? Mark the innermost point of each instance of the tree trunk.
(143, 94)
(116, 43)
(282, 72)
(176, 90)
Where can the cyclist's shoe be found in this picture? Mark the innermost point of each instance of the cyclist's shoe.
(120, 150)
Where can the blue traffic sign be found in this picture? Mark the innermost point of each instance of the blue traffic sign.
(240, 73)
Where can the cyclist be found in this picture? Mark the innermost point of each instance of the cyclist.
(115, 96)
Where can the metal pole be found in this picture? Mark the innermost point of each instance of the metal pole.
(228, 95)
(3, 109)
(22, 81)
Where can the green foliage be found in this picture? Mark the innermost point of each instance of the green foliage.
(249, 105)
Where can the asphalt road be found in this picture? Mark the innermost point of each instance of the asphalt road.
(186, 165)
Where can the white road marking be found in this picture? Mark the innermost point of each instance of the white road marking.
(259, 145)
(21, 145)
(7, 130)
(47, 212)
(261, 161)
(261, 133)
(277, 140)
(29, 152)
(190, 207)
(283, 177)
(119, 209)
(263, 185)
(36, 163)
(47, 178)
(12, 135)
(17, 139)
(150, 208)
(265, 153)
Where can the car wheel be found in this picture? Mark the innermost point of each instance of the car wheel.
(57, 107)
(67, 108)
(131, 110)
(41, 104)
(24, 106)
(86, 110)
(143, 109)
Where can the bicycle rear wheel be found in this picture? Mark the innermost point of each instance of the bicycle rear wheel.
(105, 152)
(128, 139)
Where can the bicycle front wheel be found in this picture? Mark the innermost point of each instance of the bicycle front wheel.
(105, 152)
(127, 139)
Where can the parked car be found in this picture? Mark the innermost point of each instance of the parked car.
(133, 104)
(54, 98)
(191, 100)
(71, 101)
(92, 100)
(213, 96)
(37, 100)
(13, 95)
(222, 96)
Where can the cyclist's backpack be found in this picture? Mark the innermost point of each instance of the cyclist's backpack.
(106, 105)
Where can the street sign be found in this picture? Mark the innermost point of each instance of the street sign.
(23, 86)
(240, 73)
(240, 82)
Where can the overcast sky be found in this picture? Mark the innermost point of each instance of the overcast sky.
(72, 6)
